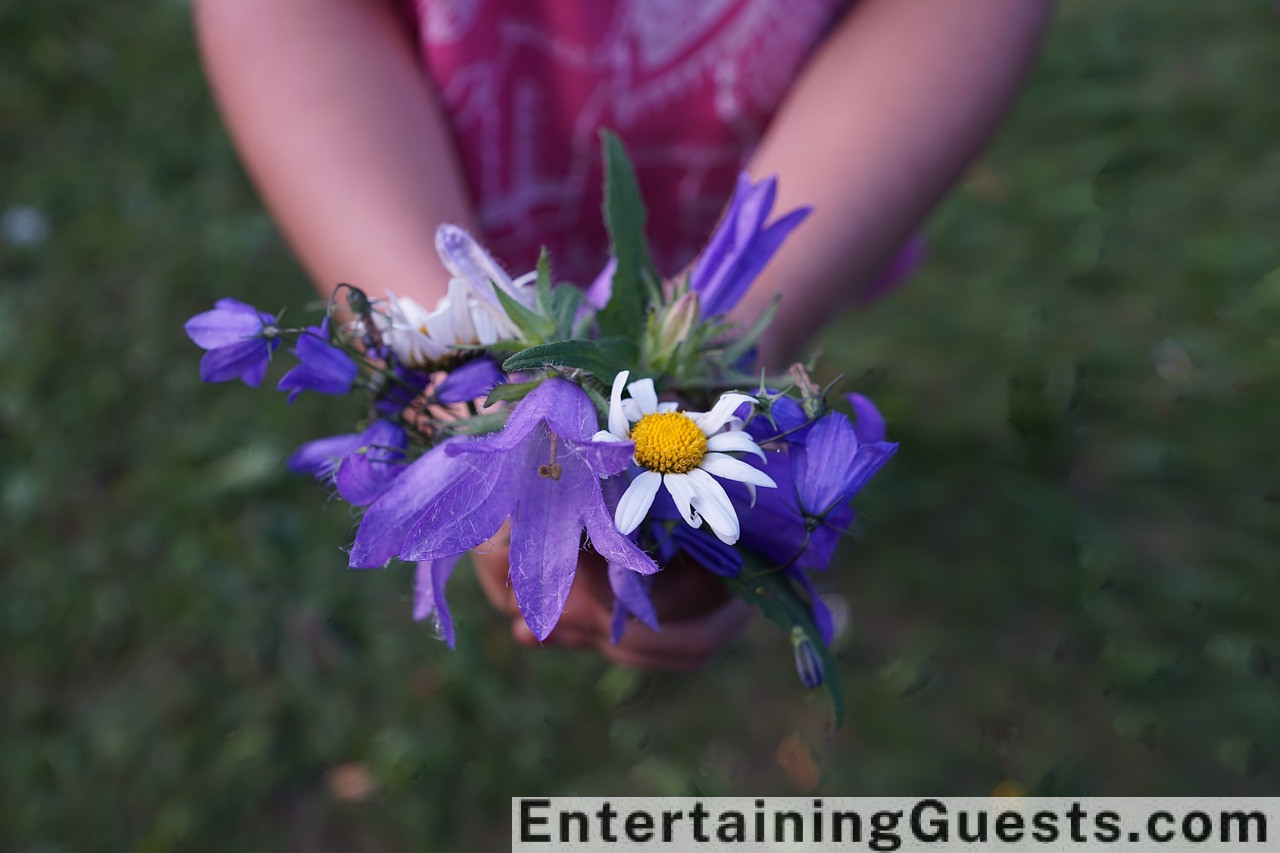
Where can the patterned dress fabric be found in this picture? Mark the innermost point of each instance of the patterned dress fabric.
(688, 85)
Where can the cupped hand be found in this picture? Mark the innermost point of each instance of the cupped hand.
(697, 616)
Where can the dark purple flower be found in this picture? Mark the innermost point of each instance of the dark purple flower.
(807, 659)
(779, 417)
(831, 466)
(542, 472)
(401, 389)
(630, 599)
(428, 595)
(359, 465)
(471, 381)
(741, 245)
(239, 339)
(322, 366)
(777, 529)
(389, 517)
(868, 423)
(673, 537)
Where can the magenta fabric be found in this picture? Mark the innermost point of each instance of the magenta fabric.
(688, 86)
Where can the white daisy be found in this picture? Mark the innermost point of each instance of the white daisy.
(681, 451)
(468, 315)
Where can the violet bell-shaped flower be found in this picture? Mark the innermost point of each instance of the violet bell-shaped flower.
(359, 465)
(239, 339)
(832, 465)
(321, 366)
(542, 472)
(741, 245)
(471, 381)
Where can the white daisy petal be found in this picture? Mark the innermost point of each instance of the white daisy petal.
(646, 397)
(631, 409)
(605, 435)
(668, 407)
(635, 501)
(681, 490)
(730, 442)
(464, 330)
(735, 469)
(711, 498)
(617, 420)
(722, 411)
(467, 260)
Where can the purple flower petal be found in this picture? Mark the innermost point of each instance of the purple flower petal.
(369, 468)
(740, 246)
(868, 424)
(546, 531)
(388, 519)
(428, 595)
(236, 337)
(245, 360)
(434, 511)
(471, 381)
(323, 367)
(466, 513)
(817, 607)
(320, 458)
(750, 262)
(600, 290)
(824, 464)
(631, 598)
(231, 321)
(708, 551)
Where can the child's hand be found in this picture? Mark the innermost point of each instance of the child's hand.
(697, 615)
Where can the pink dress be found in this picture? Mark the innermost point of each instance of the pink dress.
(688, 85)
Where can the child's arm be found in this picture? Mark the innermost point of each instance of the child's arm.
(883, 120)
(337, 123)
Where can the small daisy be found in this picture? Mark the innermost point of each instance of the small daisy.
(682, 451)
(419, 337)
(470, 314)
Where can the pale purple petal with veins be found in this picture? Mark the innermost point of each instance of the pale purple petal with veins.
(428, 595)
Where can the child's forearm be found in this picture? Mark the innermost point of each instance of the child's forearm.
(884, 119)
(342, 135)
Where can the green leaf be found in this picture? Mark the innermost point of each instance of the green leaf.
(544, 282)
(565, 300)
(782, 603)
(624, 216)
(534, 328)
(509, 392)
(577, 353)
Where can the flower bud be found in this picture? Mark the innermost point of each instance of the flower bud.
(678, 321)
(808, 660)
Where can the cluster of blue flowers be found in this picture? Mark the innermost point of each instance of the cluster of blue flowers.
(561, 417)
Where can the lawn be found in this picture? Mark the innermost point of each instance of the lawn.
(1066, 583)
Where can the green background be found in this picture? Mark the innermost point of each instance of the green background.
(1065, 583)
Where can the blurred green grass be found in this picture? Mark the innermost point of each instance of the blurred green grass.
(1067, 580)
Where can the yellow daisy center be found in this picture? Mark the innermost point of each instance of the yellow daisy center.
(668, 442)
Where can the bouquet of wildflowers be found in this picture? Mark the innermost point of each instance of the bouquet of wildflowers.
(626, 419)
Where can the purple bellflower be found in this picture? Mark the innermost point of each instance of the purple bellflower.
(542, 472)
(359, 465)
(322, 366)
(741, 245)
(868, 423)
(428, 595)
(471, 381)
(630, 598)
(239, 339)
(832, 465)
